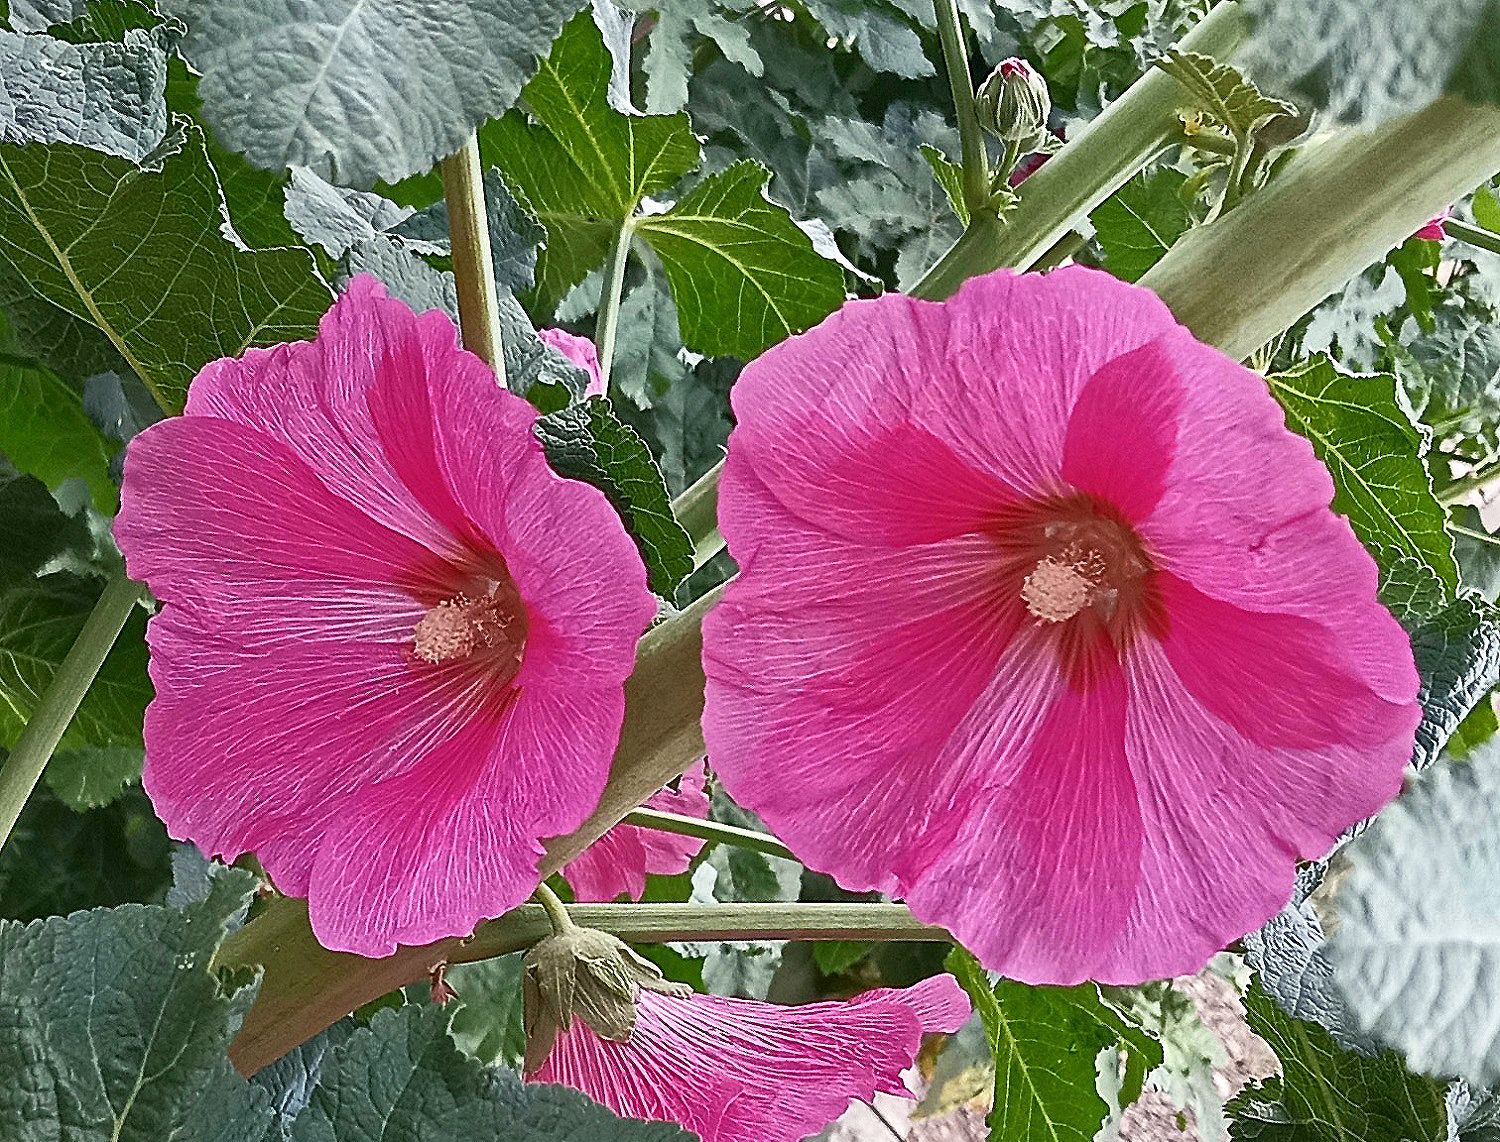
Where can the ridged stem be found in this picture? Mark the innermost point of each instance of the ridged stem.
(975, 163)
(473, 263)
(607, 324)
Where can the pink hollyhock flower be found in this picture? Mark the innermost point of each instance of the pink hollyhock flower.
(736, 1070)
(393, 643)
(580, 351)
(617, 863)
(1432, 230)
(1027, 167)
(1044, 624)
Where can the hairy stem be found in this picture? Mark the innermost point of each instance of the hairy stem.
(1088, 170)
(708, 831)
(607, 323)
(22, 770)
(1473, 235)
(556, 910)
(473, 264)
(976, 175)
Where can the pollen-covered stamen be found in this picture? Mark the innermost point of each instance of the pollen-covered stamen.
(459, 627)
(1062, 585)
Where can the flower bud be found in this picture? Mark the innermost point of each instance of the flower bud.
(1013, 103)
(589, 974)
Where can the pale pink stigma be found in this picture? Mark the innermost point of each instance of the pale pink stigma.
(1058, 588)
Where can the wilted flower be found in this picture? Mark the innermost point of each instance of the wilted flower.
(1013, 103)
(1432, 230)
(579, 350)
(737, 1070)
(617, 863)
(1045, 625)
(392, 650)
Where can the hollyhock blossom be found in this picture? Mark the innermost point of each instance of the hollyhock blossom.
(737, 1070)
(393, 643)
(617, 863)
(1432, 230)
(1045, 625)
(579, 350)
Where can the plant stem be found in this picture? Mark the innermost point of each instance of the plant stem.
(708, 831)
(1085, 172)
(608, 320)
(696, 510)
(976, 175)
(1473, 235)
(22, 770)
(1477, 536)
(557, 912)
(473, 263)
(1469, 482)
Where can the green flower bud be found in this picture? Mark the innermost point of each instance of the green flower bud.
(1013, 103)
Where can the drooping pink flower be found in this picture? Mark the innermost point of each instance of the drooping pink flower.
(737, 1070)
(393, 643)
(1045, 625)
(579, 350)
(1433, 230)
(617, 863)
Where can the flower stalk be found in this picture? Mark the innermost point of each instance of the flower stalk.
(1473, 235)
(556, 910)
(22, 770)
(473, 262)
(976, 175)
(709, 831)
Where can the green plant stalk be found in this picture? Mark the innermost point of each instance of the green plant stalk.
(1452, 493)
(606, 325)
(696, 511)
(709, 831)
(1473, 235)
(975, 163)
(23, 769)
(1110, 151)
(473, 262)
(555, 909)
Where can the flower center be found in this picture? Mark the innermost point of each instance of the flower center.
(461, 627)
(1060, 586)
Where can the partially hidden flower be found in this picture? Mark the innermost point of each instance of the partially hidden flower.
(738, 1070)
(1433, 230)
(617, 863)
(1045, 625)
(393, 643)
(581, 352)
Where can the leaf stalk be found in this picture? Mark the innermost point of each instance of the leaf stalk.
(473, 262)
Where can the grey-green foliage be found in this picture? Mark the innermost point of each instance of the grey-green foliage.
(360, 91)
(1327, 1093)
(514, 234)
(1362, 61)
(1376, 456)
(1417, 949)
(489, 1023)
(137, 252)
(1457, 652)
(668, 59)
(105, 96)
(884, 35)
(337, 218)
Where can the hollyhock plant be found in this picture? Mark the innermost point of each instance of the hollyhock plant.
(738, 1070)
(1045, 625)
(392, 648)
(1433, 230)
(581, 352)
(617, 863)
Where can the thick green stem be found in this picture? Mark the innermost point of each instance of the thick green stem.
(473, 263)
(22, 770)
(709, 831)
(976, 175)
(695, 509)
(607, 323)
(1088, 170)
(1473, 235)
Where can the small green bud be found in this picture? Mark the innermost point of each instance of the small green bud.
(1013, 103)
(589, 974)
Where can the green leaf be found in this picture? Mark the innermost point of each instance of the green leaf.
(1476, 729)
(950, 176)
(668, 62)
(138, 253)
(1362, 61)
(35, 530)
(1457, 652)
(336, 218)
(46, 433)
(488, 1023)
(111, 1023)
(94, 776)
(1226, 95)
(1326, 1093)
(583, 165)
(360, 92)
(744, 275)
(1487, 209)
(835, 957)
(1044, 1041)
(1375, 454)
(1139, 224)
(881, 33)
(104, 96)
(514, 234)
(587, 442)
(39, 622)
(1419, 922)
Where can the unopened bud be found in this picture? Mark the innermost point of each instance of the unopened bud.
(589, 974)
(1013, 103)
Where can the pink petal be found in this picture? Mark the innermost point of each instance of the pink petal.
(736, 1070)
(581, 352)
(618, 862)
